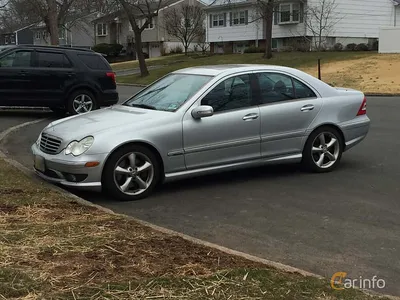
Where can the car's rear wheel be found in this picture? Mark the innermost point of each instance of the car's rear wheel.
(131, 173)
(323, 150)
(81, 101)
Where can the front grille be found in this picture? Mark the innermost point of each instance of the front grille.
(49, 144)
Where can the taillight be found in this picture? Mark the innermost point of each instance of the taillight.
(112, 76)
(363, 108)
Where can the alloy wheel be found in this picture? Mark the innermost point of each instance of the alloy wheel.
(325, 150)
(82, 103)
(133, 173)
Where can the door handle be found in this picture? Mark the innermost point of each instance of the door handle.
(250, 117)
(23, 72)
(307, 107)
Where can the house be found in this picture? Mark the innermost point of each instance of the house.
(233, 26)
(76, 32)
(115, 28)
(20, 36)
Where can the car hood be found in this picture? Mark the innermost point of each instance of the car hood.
(80, 126)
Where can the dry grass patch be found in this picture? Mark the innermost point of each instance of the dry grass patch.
(54, 248)
(366, 71)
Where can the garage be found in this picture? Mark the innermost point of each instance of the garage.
(155, 50)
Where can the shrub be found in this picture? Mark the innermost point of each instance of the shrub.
(254, 49)
(176, 50)
(362, 47)
(375, 45)
(108, 49)
(351, 47)
(338, 47)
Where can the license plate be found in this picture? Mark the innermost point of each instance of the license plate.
(40, 164)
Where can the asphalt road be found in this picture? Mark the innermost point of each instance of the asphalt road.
(347, 220)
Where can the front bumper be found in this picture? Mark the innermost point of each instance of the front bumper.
(69, 171)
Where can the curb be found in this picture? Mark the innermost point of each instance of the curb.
(266, 262)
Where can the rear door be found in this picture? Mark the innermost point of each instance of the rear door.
(16, 78)
(54, 74)
(288, 106)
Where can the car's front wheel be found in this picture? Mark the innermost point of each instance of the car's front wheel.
(131, 173)
(323, 150)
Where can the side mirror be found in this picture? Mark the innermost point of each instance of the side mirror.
(202, 111)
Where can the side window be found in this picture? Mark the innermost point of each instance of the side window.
(303, 91)
(52, 60)
(94, 61)
(233, 93)
(275, 87)
(17, 59)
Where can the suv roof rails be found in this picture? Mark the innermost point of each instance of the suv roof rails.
(56, 47)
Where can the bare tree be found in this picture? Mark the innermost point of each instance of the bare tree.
(266, 10)
(202, 42)
(320, 20)
(137, 10)
(186, 23)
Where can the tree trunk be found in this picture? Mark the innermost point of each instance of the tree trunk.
(53, 22)
(186, 49)
(139, 54)
(268, 19)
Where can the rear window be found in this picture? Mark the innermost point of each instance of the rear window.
(94, 61)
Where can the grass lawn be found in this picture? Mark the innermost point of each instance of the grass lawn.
(366, 71)
(54, 248)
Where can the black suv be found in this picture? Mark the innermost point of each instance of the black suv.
(64, 79)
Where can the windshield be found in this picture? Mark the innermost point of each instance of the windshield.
(169, 93)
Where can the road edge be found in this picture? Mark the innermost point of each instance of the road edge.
(266, 262)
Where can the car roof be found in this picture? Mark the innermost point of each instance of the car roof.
(220, 71)
(227, 69)
(54, 48)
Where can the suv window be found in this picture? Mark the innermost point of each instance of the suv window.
(232, 93)
(94, 61)
(17, 59)
(52, 60)
(276, 87)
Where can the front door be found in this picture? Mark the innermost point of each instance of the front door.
(288, 107)
(232, 134)
(16, 78)
(53, 74)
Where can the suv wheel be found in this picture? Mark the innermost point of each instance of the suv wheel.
(81, 101)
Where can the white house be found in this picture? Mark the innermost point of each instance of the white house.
(233, 26)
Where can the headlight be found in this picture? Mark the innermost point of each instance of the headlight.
(78, 148)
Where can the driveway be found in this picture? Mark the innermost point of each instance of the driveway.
(347, 220)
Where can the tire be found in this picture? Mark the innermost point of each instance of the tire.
(113, 181)
(314, 149)
(81, 95)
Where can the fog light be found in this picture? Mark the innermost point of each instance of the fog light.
(92, 164)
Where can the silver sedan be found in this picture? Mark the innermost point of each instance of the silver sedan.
(201, 120)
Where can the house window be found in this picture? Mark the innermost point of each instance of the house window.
(61, 33)
(218, 20)
(150, 25)
(101, 29)
(239, 18)
(12, 37)
(38, 35)
(45, 34)
(289, 13)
